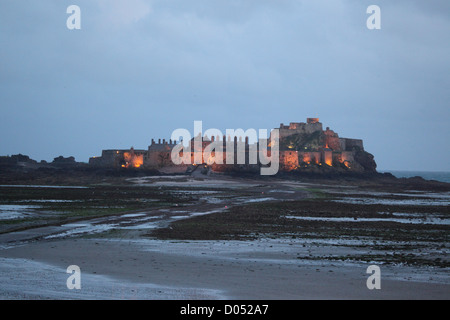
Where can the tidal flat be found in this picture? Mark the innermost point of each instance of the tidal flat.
(220, 237)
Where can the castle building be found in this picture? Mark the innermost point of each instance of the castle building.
(301, 145)
(128, 158)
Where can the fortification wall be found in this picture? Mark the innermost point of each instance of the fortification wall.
(119, 158)
(288, 160)
(348, 144)
(158, 154)
(309, 157)
(109, 158)
(299, 128)
(327, 156)
(332, 140)
(343, 156)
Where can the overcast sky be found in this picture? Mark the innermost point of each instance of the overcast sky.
(138, 69)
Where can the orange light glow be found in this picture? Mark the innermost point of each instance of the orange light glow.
(307, 158)
(133, 160)
(290, 161)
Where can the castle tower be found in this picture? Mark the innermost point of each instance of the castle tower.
(312, 120)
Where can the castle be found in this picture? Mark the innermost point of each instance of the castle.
(302, 147)
(302, 144)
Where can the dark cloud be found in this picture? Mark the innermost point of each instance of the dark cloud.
(139, 69)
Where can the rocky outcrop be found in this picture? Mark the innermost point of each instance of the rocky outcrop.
(366, 160)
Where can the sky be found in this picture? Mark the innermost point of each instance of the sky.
(139, 69)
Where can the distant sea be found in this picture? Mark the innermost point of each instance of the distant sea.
(428, 175)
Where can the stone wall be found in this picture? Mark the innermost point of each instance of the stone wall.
(158, 154)
(332, 140)
(349, 144)
(289, 160)
(299, 128)
(117, 158)
(309, 157)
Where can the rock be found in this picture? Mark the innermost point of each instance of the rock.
(366, 160)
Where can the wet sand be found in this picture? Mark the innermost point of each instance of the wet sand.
(132, 265)
(153, 269)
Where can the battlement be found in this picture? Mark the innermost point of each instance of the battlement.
(311, 126)
(312, 120)
(164, 142)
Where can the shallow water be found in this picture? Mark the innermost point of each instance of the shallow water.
(397, 202)
(40, 186)
(429, 220)
(26, 279)
(14, 211)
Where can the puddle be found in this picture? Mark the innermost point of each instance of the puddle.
(179, 217)
(195, 191)
(281, 191)
(132, 215)
(404, 202)
(260, 199)
(51, 200)
(39, 186)
(428, 220)
(81, 228)
(31, 280)
(15, 211)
